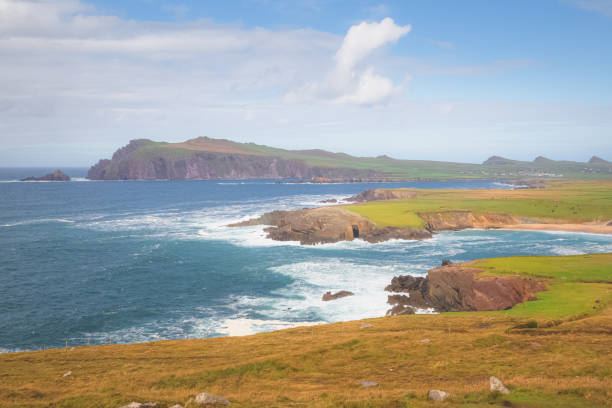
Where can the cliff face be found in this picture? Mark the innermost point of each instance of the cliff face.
(458, 288)
(456, 220)
(326, 225)
(146, 160)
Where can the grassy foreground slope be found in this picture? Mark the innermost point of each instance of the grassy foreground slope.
(560, 201)
(554, 354)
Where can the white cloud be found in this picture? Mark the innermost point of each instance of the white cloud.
(350, 81)
(77, 84)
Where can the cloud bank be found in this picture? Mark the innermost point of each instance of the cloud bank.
(351, 81)
(76, 84)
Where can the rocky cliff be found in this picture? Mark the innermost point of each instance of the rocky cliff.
(146, 160)
(455, 288)
(457, 220)
(327, 225)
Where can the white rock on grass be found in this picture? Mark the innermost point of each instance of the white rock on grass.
(497, 385)
(140, 405)
(437, 395)
(209, 399)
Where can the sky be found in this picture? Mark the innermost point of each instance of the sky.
(413, 79)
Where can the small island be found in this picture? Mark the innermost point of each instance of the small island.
(57, 175)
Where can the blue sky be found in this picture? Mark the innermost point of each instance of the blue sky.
(442, 80)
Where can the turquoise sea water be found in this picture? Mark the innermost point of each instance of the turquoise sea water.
(136, 261)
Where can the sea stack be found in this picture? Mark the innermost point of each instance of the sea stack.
(57, 175)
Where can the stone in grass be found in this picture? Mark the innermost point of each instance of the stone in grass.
(369, 384)
(497, 385)
(68, 374)
(209, 399)
(365, 325)
(140, 405)
(437, 395)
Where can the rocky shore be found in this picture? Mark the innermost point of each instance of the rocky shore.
(336, 223)
(327, 225)
(459, 288)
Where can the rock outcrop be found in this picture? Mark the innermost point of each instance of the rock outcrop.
(457, 220)
(380, 194)
(57, 175)
(597, 160)
(458, 288)
(327, 225)
(327, 296)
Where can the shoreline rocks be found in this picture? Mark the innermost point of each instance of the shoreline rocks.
(57, 175)
(328, 225)
(457, 288)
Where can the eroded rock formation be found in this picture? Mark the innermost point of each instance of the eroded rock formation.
(327, 225)
(457, 288)
(457, 220)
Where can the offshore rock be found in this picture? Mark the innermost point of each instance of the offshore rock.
(57, 175)
(327, 296)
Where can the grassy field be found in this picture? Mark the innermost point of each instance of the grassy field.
(573, 201)
(553, 352)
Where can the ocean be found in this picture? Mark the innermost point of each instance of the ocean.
(130, 261)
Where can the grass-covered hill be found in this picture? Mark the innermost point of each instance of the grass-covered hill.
(576, 202)
(206, 158)
(550, 352)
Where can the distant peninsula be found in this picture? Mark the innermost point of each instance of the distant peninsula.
(205, 158)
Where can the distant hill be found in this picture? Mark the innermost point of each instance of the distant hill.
(207, 158)
(597, 160)
(498, 161)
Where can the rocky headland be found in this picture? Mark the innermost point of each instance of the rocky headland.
(57, 175)
(327, 225)
(459, 288)
(206, 158)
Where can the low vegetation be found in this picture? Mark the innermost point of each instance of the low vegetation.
(560, 201)
(552, 352)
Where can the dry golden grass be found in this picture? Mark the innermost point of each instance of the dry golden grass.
(565, 365)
